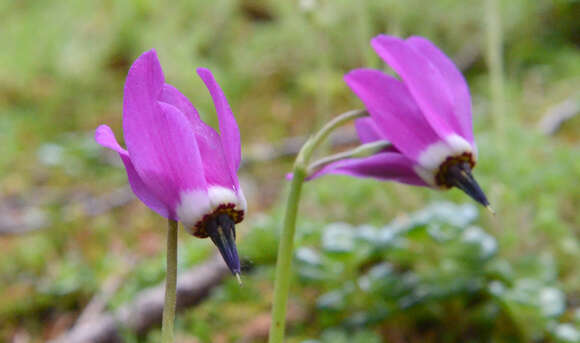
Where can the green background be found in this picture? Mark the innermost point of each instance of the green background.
(408, 267)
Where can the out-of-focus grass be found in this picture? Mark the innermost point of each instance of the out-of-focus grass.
(281, 65)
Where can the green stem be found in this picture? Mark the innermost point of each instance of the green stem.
(364, 150)
(170, 284)
(306, 152)
(284, 261)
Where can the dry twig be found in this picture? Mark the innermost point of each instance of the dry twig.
(557, 114)
(144, 312)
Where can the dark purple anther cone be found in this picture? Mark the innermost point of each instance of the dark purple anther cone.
(222, 231)
(459, 175)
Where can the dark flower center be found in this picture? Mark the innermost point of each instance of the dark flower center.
(200, 228)
(222, 231)
(443, 178)
(456, 172)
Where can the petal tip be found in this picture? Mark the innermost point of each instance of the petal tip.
(152, 54)
(147, 62)
(384, 39)
(103, 133)
(356, 75)
(148, 58)
(348, 77)
(102, 129)
(351, 74)
(105, 137)
(417, 38)
(143, 84)
(207, 78)
(380, 36)
(204, 72)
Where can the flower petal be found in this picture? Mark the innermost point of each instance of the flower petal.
(229, 131)
(423, 80)
(216, 169)
(105, 137)
(159, 137)
(142, 87)
(171, 95)
(454, 80)
(393, 110)
(367, 130)
(385, 166)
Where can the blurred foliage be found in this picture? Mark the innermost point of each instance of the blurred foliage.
(440, 274)
(432, 274)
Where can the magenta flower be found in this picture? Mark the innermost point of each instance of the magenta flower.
(177, 165)
(426, 116)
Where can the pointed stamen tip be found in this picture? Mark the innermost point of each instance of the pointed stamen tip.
(459, 175)
(222, 232)
(239, 278)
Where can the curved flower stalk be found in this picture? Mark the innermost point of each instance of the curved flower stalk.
(178, 166)
(419, 133)
(426, 116)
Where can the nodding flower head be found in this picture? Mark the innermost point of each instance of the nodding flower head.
(176, 164)
(426, 116)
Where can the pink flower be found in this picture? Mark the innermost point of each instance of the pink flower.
(176, 164)
(426, 116)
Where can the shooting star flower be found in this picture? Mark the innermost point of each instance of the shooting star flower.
(426, 116)
(176, 164)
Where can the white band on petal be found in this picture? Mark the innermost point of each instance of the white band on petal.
(242, 203)
(221, 195)
(460, 145)
(433, 157)
(193, 205)
(427, 175)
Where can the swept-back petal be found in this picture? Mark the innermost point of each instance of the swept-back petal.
(216, 169)
(393, 110)
(423, 80)
(173, 96)
(454, 80)
(367, 130)
(164, 151)
(105, 137)
(385, 166)
(159, 137)
(229, 131)
(142, 87)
